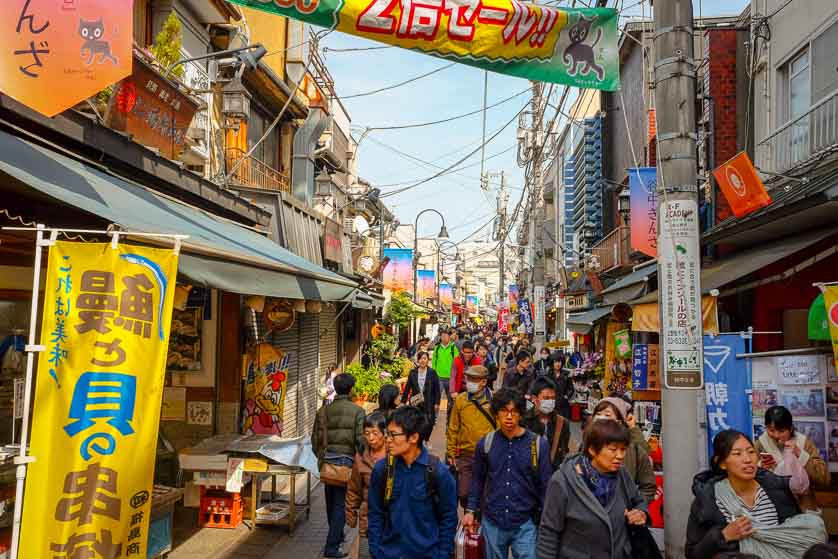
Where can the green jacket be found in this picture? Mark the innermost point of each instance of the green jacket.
(340, 427)
(443, 359)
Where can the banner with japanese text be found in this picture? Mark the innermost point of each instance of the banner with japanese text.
(571, 46)
(426, 284)
(727, 386)
(446, 295)
(643, 187)
(526, 315)
(106, 321)
(398, 274)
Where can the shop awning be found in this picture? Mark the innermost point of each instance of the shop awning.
(630, 286)
(645, 316)
(365, 300)
(218, 253)
(583, 322)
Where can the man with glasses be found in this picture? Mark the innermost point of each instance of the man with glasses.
(471, 418)
(412, 504)
(511, 472)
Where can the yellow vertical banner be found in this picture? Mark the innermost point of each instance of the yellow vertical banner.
(830, 299)
(105, 327)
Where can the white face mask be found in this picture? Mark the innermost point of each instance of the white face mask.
(530, 405)
(472, 387)
(547, 406)
(598, 417)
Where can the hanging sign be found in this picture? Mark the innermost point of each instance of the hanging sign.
(446, 295)
(526, 317)
(426, 283)
(680, 294)
(727, 386)
(107, 316)
(514, 295)
(643, 186)
(398, 275)
(538, 304)
(265, 378)
(472, 304)
(576, 47)
(622, 344)
(503, 319)
(56, 54)
(740, 183)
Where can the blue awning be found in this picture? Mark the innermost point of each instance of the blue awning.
(218, 253)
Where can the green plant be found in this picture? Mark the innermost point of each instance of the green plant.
(401, 310)
(167, 44)
(382, 348)
(401, 367)
(368, 381)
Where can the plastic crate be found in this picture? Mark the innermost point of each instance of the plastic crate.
(220, 509)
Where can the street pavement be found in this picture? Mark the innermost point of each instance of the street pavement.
(269, 542)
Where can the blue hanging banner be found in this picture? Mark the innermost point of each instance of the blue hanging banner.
(526, 317)
(727, 385)
(640, 367)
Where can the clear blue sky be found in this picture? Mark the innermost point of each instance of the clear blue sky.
(452, 91)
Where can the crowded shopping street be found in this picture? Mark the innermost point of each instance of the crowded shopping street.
(419, 279)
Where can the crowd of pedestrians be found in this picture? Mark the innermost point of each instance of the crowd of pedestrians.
(513, 474)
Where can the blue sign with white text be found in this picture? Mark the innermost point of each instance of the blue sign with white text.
(727, 385)
(640, 367)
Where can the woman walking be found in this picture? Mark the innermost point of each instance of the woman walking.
(388, 400)
(740, 507)
(591, 501)
(359, 484)
(422, 388)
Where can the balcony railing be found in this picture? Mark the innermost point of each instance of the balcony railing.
(800, 139)
(256, 174)
(614, 251)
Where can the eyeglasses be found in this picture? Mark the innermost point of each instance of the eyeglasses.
(510, 413)
(391, 435)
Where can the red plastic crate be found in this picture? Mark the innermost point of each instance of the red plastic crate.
(220, 509)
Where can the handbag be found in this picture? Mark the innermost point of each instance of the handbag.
(643, 544)
(330, 473)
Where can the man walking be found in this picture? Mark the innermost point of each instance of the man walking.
(337, 436)
(511, 472)
(521, 377)
(471, 418)
(412, 505)
(466, 359)
(443, 358)
(544, 419)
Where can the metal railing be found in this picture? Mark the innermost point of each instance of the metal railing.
(255, 173)
(613, 251)
(795, 142)
(196, 77)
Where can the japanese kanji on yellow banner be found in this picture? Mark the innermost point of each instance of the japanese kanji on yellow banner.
(107, 313)
(830, 299)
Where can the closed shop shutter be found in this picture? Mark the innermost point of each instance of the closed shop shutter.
(306, 385)
(328, 340)
(289, 342)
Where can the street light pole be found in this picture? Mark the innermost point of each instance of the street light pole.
(443, 234)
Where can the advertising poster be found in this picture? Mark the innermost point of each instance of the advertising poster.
(427, 284)
(727, 386)
(446, 295)
(643, 184)
(764, 398)
(472, 304)
(265, 380)
(803, 402)
(576, 47)
(514, 296)
(398, 274)
(106, 321)
(815, 431)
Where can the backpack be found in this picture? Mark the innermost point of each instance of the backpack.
(535, 448)
(430, 482)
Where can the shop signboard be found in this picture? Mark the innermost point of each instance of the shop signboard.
(503, 319)
(106, 322)
(643, 184)
(576, 47)
(526, 316)
(539, 319)
(56, 54)
(398, 275)
(680, 294)
(332, 243)
(265, 381)
(740, 183)
(152, 110)
(727, 386)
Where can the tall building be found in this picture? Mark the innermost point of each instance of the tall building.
(587, 199)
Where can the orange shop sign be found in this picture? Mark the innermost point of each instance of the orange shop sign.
(57, 53)
(741, 185)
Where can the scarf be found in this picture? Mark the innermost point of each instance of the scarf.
(603, 486)
(777, 453)
(785, 541)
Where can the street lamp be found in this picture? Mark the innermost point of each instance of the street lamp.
(443, 234)
(439, 262)
(624, 204)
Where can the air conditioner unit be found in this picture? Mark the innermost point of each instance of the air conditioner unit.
(348, 225)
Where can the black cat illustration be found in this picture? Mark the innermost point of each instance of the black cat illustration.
(91, 32)
(577, 52)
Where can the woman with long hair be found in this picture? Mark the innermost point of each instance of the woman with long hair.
(740, 507)
(388, 400)
(422, 387)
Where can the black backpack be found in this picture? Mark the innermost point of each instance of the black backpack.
(430, 482)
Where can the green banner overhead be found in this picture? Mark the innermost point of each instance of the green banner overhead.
(571, 46)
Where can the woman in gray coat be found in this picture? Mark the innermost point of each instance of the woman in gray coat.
(591, 500)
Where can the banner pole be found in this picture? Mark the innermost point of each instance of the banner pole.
(31, 349)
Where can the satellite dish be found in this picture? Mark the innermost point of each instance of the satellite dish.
(361, 224)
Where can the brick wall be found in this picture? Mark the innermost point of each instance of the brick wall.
(720, 86)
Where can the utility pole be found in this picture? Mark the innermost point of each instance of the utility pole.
(503, 199)
(537, 209)
(679, 261)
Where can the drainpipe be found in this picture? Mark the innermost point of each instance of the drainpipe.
(305, 142)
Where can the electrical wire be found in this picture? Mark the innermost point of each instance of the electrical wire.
(396, 85)
(356, 49)
(445, 120)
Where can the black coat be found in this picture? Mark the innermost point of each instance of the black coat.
(430, 391)
(564, 392)
(704, 528)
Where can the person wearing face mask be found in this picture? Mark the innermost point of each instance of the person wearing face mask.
(467, 358)
(471, 418)
(544, 419)
(564, 388)
(544, 364)
(637, 462)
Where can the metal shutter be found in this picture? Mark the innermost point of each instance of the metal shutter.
(328, 339)
(289, 342)
(306, 380)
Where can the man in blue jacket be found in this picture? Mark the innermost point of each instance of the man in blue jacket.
(412, 502)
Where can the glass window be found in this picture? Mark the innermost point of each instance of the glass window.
(799, 86)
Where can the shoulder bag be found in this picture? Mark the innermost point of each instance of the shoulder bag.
(330, 473)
